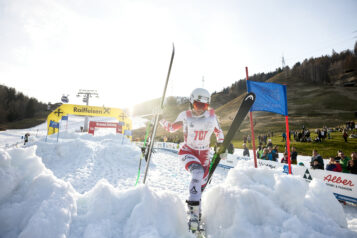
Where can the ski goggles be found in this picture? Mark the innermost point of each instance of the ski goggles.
(200, 105)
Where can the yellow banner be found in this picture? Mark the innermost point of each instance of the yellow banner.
(83, 110)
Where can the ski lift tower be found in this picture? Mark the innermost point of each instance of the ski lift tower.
(86, 94)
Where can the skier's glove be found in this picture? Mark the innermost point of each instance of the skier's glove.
(143, 150)
(216, 148)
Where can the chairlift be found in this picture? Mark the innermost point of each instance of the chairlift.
(64, 99)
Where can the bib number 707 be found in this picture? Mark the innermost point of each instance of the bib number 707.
(200, 135)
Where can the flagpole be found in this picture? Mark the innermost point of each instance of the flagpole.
(47, 132)
(58, 130)
(251, 126)
(288, 141)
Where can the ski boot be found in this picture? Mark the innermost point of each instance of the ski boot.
(194, 216)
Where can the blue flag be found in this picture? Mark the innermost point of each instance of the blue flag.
(54, 124)
(270, 97)
(64, 118)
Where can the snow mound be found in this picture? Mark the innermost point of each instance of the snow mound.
(33, 202)
(106, 211)
(265, 203)
(84, 159)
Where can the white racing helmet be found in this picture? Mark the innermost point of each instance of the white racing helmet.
(200, 95)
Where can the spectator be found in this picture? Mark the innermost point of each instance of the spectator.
(269, 143)
(244, 139)
(271, 154)
(316, 164)
(26, 138)
(261, 152)
(293, 155)
(283, 135)
(248, 139)
(354, 156)
(307, 137)
(345, 135)
(317, 161)
(329, 133)
(258, 150)
(324, 130)
(344, 162)
(245, 150)
(275, 153)
(230, 149)
(299, 136)
(319, 135)
(295, 135)
(352, 166)
(285, 158)
(333, 165)
(265, 154)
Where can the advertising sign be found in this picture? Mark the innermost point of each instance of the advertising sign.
(343, 185)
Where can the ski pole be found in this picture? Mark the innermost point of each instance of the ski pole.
(141, 157)
(157, 116)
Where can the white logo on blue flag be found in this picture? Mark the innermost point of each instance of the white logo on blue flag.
(54, 124)
(286, 169)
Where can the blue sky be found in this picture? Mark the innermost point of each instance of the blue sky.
(122, 48)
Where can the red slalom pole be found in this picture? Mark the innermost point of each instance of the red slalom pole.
(251, 127)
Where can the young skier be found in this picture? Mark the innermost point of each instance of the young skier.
(198, 125)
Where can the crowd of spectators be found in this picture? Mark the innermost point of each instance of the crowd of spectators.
(302, 136)
(262, 139)
(338, 163)
(305, 135)
(350, 125)
(270, 152)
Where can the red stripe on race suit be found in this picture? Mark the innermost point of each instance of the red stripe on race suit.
(219, 135)
(199, 157)
(171, 127)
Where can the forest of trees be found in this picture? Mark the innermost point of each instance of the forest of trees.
(16, 106)
(331, 70)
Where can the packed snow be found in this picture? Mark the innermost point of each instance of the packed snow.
(84, 186)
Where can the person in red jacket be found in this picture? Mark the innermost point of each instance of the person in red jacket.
(333, 165)
(284, 160)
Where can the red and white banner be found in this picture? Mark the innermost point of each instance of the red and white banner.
(343, 185)
(95, 124)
